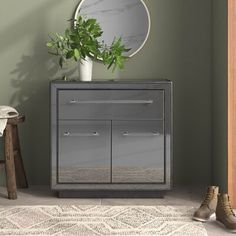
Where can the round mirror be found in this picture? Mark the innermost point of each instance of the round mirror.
(128, 19)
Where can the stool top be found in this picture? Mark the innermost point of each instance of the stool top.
(16, 120)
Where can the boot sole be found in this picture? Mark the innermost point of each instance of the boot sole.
(223, 226)
(204, 220)
(200, 219)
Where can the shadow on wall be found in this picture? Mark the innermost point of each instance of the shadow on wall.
(30, 81)
(31, 97)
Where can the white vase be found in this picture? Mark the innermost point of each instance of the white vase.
(85, 69)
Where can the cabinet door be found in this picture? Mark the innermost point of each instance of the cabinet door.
(138, 152)
(84, 152)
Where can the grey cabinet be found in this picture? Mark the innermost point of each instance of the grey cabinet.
(111, 135)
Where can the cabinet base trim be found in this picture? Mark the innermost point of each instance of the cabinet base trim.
(111, 194)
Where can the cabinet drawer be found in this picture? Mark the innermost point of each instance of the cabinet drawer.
(84, 152)
(111, 104)
(138, 152)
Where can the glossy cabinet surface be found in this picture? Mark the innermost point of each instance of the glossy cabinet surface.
(111, 135)
(111, 104)
(138, 152)
(84, 151)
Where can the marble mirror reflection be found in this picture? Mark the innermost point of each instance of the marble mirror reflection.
(128, 19)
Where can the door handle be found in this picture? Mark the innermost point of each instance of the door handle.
(69, 134)
(76, 102)
(127, 134)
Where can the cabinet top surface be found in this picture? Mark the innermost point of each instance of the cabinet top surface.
(114, 81)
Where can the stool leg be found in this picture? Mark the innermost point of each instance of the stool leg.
(21, 179)
(10, 166)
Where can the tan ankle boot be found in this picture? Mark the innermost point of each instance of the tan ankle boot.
(208, 206)
(225, 214)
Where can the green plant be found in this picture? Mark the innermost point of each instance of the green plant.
(81, 41)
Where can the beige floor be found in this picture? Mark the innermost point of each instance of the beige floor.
(41, 195)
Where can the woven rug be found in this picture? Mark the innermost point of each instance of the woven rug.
(99, 220)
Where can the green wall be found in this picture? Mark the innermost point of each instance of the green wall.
(219, 92)
(179, 48)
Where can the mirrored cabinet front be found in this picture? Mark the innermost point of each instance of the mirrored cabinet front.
(111, 135)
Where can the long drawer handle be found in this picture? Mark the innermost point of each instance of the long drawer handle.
(127, 134)
(74, 102)
(69, 134)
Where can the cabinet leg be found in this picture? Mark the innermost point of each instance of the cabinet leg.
(10, 166)
(21, 179)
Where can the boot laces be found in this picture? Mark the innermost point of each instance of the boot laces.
(228, 209)
(207, 199)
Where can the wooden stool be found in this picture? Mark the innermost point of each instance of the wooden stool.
(15, 172)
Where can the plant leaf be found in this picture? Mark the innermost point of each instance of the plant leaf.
(69, 54)
(50, 44)
(76, 54)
